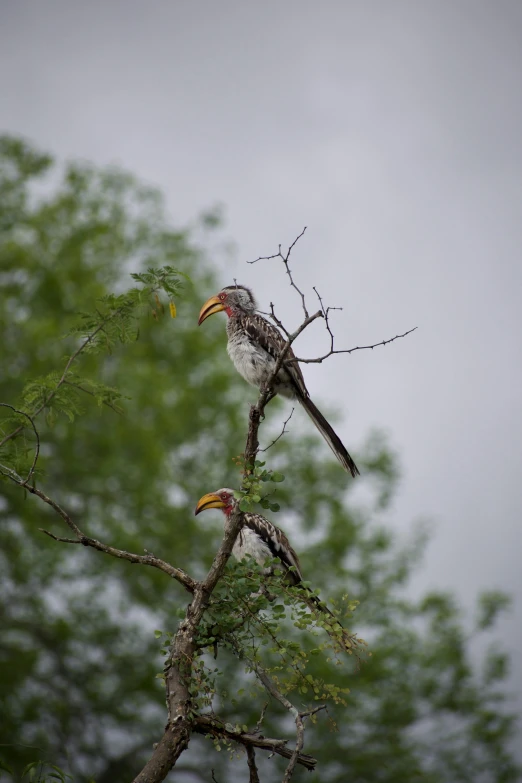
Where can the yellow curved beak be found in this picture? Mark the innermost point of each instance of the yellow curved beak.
(211, 306)
(209, 501)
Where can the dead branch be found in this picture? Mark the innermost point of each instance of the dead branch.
(283, 431)
(284, 259)
(207, 724)
(150, 560)
(331, 352)
(80, 537)
(299, 723)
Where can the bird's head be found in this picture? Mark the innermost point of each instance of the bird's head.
(221, 498)
(233, 299)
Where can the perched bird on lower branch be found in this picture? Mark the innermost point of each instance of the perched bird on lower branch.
(263, 540)
(254, 346)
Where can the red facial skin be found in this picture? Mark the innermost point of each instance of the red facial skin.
(228, 309)
(229, 505)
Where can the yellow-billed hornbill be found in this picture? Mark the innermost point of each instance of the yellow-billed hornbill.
(254, 346)
(263, 540)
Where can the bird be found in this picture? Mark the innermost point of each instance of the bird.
(263, 540)
(254, 346)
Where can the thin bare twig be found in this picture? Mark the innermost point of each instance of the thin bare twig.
(283, 431)
(216, 727)
(299, 723)
(285, 259)
(351, 350)
(80, 538)
(150, 560)
(276, 320)
(274, 691)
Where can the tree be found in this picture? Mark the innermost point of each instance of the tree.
(80, 655)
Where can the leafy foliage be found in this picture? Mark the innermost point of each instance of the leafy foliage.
(149, 418)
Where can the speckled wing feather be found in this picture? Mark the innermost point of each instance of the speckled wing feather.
(277, 542)
(254, 345)
(260, 331)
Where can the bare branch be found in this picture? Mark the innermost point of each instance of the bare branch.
(150, 560)
(351, 350)
(276, 320)
(281, 433)
(155, 562)
(285, 259)
(210, 724)
(299, 723)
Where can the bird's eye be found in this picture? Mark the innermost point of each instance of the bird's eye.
(222, 297)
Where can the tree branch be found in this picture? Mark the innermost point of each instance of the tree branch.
(207, 724)
(281, 433)
(284, 259)
(80, 537)
(150, 560)
(251, 759)
(299, 723)
(331, 352)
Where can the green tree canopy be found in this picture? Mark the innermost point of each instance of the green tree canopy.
(78, 651)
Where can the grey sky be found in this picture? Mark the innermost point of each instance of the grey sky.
(392, 130)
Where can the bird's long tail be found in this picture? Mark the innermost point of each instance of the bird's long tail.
(329, 435)
(332, 625)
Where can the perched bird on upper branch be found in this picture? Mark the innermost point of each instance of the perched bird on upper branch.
(263, 540)
(254, 346)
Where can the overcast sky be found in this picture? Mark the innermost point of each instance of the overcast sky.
(393, 130)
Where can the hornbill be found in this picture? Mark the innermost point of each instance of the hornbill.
(263, 540)
(254, 346)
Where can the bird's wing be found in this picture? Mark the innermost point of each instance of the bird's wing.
(277, 542)
(268, 337)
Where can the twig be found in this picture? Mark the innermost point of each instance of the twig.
(37, 448)
(351, 350)
(298, 716)
(276, 320)
(284, 259)
(150, 560)
(281, 433)
(251, 759)
(210, 724)
(80, 537)
(261, 717)
(299, 723)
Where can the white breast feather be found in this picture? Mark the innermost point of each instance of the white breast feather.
(254, 364)
(249, 543)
